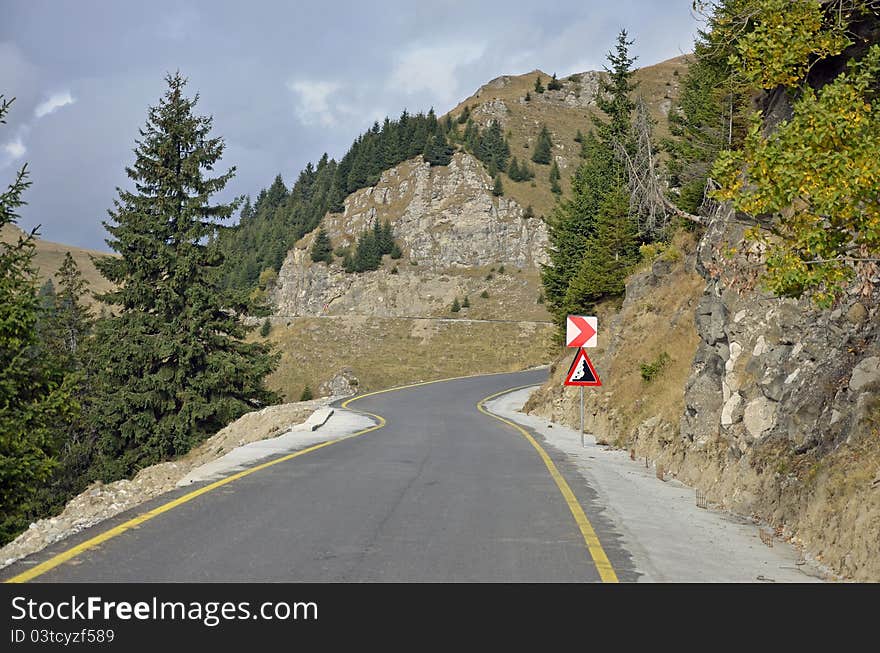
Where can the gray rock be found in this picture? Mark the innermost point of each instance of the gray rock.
(759, 416)
(732, 411)
(866, 373)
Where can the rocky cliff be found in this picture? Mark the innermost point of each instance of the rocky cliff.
(448, 225)
(767, 405)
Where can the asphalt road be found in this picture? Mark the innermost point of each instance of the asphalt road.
(442, 492)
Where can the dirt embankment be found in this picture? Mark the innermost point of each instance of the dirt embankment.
(102, 501)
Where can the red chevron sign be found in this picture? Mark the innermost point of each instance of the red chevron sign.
(581, 331)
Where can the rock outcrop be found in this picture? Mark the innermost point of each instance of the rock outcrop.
(445, 220)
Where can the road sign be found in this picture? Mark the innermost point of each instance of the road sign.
(581, 330)
(582, 371)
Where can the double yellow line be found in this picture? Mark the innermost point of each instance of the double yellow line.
(605, 571)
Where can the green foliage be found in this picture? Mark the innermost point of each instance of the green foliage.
(395, 252)
(269, 227)
(539, 87)
(579, 137)
(465, 115)
(492, 148)
(528, 97)
(543, 151)
(497, 188)
(456, 307)
(501, 269)
(592, 236)
(652, 370)
(519, 171)
(485, 294)
(611, 253)
(540, 299)
(466, 303)
(438, 150)
(372, 245)
(322, 248)
(307, 394)
(265, 328)
(170, 367)
(555, 176)
(528, 213)
(554, 84)
(34, 394)
(818, 175)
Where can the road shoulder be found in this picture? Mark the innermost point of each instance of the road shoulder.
(669, 538)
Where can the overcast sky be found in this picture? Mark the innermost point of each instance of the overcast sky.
(285, 81)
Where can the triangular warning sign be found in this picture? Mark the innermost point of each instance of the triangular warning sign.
(582, 371)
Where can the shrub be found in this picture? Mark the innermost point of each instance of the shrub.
(306, 394)
(652, 370)
(265, 328)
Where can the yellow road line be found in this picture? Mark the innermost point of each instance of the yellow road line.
(72, 552)
(594, 546)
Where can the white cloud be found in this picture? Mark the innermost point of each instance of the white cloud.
(433, 69)
(54, 103)
(313, 101)
(15, 149)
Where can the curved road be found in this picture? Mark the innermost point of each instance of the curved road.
(442, 492)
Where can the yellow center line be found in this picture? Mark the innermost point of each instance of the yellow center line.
(69, 554)
(594, 546)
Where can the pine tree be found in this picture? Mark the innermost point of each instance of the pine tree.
(611, 253)
(615, 90)
(73, 319)
(172, 367)
(307, 394)
(554, 84)
(497, 188)
(539, 87)
(528, 97)
(456, 307)
(554, 179)
(543, 147)
(465, 115)
(493, 149)
(466, 303)
(322, 248)
(32, 395)
(265, 328)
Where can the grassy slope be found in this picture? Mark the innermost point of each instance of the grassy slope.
(49, 256)
(658, 84)
(386, 352)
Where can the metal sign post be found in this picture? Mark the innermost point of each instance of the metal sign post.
(583, 444)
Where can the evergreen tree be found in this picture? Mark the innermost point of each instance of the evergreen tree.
(438, 151)
(497, 188)
(493, 149)
(513, 170)
(456, 307)
(466, 303)
(307, 394)
(322, 248)
(611, 253)
(265, 328)
(395, 252)
(554, 178)
(73, 320)
(579, 137)
(554, 84)
(465, 115)
(528, 97)
(171, 365)
(539, 87)
(543, 147)
(573, 225)
(32, 395)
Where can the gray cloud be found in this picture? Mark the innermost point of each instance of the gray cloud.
(284, 81)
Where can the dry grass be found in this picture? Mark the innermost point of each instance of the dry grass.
(658, 84)
(49, 257)
(386, 352)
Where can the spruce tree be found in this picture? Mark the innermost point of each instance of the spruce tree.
(543, 147)
(32, 395)
(497, 188)
(322, 248)
(554, 84)
(611, 252)
(456, 307)
(539, 87)
(172, 365)
(554, 178)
